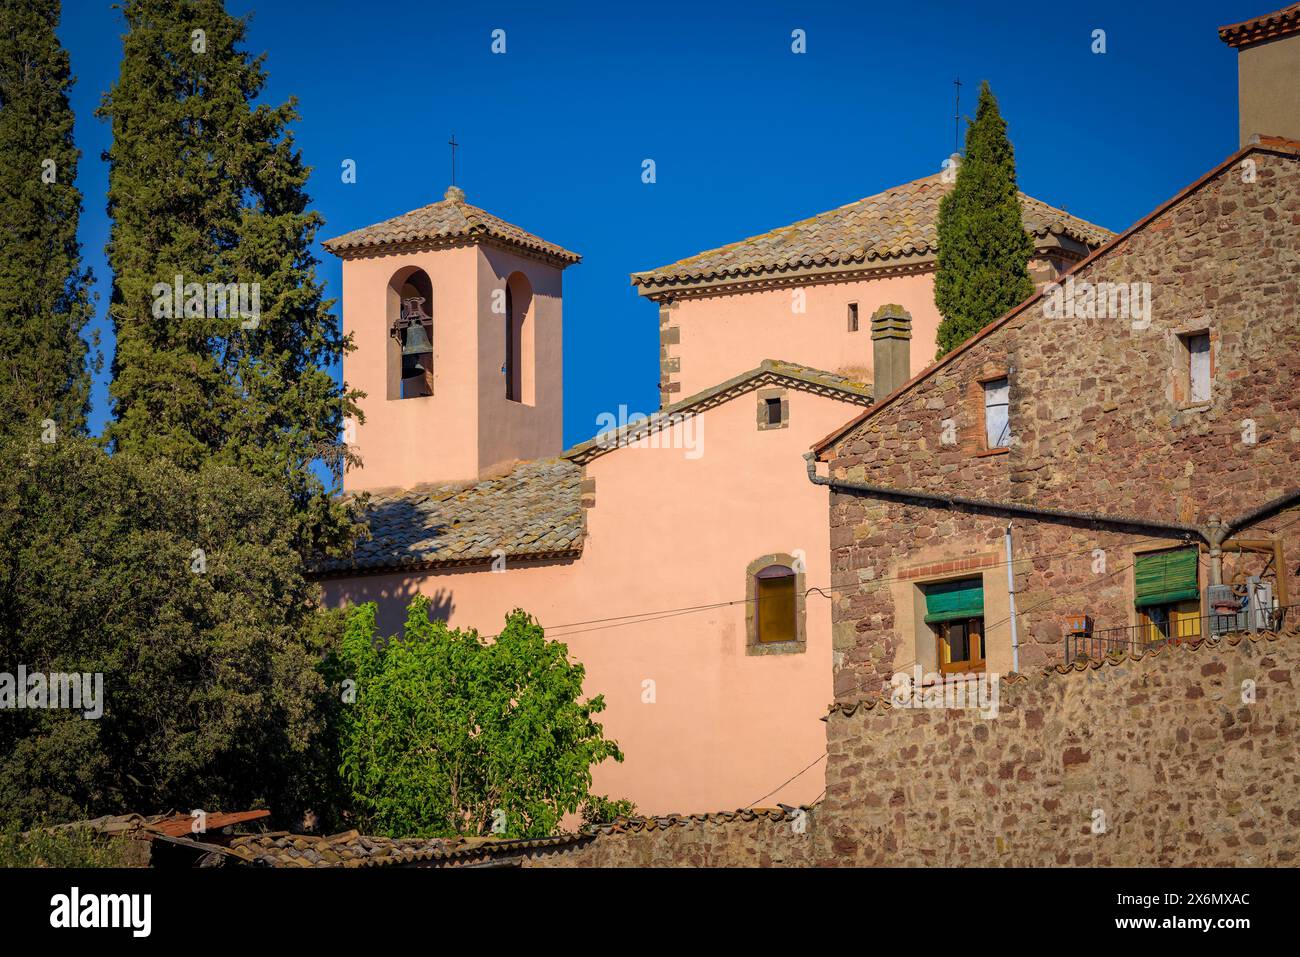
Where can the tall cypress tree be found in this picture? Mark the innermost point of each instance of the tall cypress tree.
(984, 251)
(206, 186)
(44, 291)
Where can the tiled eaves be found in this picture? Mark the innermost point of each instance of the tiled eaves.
(769, 372)
(896, 225)
(1270, 26)
(881, 703)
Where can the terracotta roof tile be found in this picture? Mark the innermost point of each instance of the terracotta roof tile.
(350, 849)
(534, 511)
(1270, 26)
(892, 225)
(449, 221)
(353, 850)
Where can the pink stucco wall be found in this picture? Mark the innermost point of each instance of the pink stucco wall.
(468, 425)
(670, 532)
(722, 336)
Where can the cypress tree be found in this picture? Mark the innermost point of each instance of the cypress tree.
(984, 251)
(208, 186)
(44, 291)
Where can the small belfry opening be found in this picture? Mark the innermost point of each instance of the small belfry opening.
(520, 364)
(410, 334)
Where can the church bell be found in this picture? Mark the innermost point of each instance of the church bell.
(415, 340)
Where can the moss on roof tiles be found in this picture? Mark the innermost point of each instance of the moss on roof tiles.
(533, 511)
(895, 224)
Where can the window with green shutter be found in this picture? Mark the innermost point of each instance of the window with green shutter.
(1164, 578)
(948, 601)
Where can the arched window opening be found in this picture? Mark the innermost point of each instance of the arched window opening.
(410, 351)
(775, 606)
(520, 335)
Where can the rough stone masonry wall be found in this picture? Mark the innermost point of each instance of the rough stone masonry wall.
(1183, 771)
(1101, 418)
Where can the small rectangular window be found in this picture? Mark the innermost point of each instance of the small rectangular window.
(997, 421)
(853, 317)
(1198, 367)
(778, 606)
(773, 411)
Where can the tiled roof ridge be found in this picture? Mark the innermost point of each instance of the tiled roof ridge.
(353, 849)
(768, 372)
(1269, 26)
(1048, 219)
(880, 702)
(448, 221)
(624, 825)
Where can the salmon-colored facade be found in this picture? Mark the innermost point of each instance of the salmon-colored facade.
(721, 336)
(703, 722)
(656, 594)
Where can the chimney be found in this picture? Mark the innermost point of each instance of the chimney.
(1268, 73)
(891, 349)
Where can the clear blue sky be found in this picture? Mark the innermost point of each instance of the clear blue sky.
(746, 135)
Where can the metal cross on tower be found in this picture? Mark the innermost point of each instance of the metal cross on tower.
(956, 118)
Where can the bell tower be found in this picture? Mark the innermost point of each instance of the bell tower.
(457, 323)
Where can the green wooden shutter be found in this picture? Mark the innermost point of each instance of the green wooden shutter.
(1166, 577)
(952, 600)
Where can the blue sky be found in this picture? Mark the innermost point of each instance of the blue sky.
(746, 135)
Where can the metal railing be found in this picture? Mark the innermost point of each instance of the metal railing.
(1135, 639)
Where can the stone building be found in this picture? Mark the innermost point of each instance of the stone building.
(1119, 453)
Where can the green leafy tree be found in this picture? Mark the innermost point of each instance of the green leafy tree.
(453, 734)
(184, 589)
(44, 292)
(984, 251)
(208, 185)
(600, 809)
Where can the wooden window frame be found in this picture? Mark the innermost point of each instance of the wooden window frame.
(975, 664)
(753, 646)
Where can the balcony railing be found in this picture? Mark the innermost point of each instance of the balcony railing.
(1135, 639)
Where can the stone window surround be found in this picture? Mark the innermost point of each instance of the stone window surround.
(1180, 374)
(979, 446)
(918, 642)
(773, 392)
(752, 645)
